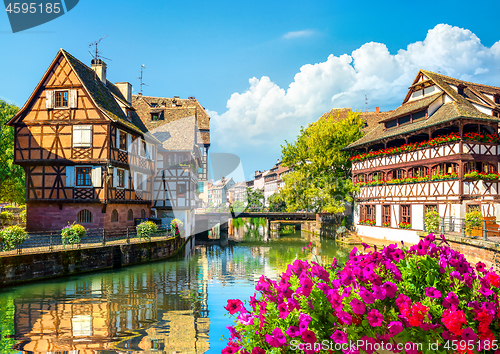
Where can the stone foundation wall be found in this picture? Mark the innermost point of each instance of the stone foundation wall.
(48, 216)
(27, 267)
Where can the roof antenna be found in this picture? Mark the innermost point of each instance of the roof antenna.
(96, 55)
(366, 103)
(140, 77)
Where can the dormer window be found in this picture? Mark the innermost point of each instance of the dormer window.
(154, 105)
(460, 89)
(129, 115)
(496, 99)
(155, 116)
(61, 99)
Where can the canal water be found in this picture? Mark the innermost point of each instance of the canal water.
(174, 306)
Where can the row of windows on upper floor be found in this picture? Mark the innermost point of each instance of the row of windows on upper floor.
(422, 171)
(90, 176)
(85, 216)
(64, 99)
(82, 138)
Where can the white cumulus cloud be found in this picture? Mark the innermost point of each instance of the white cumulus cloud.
(266, 114)
(298, 34)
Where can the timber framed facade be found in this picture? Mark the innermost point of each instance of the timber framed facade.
(86, 154)
(438, 151)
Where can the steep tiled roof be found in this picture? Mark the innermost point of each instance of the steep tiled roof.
(462, 106)
(103, 95)
(172, 109)
(178, 135)
(447, 112)
(371, 118)
(412, 106)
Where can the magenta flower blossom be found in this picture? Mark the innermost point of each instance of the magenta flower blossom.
(469, 334)
(293, 331)
(374, 318)
(246, 319)
(344, 318)
(308, 336)
(306, 286)
(339, 337)
(277, 339)
(432, 292)
(258, 350)
(367, 296)
(450, 300)
(358, 307)
(378, 292)
(283, 310)
(390, 289)
(234, 306)
(395, 327)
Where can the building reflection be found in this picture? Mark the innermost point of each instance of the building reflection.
(158, 307)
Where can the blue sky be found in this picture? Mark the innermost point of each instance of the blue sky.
(263, 68)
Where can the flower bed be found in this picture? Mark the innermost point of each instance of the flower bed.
(485, 138)
(445, 176)
(481, 175)
(386, 224)
(407, 147)
(394, 298)
(404, 225)
(367, 222)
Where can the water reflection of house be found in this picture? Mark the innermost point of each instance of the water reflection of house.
(122, 311)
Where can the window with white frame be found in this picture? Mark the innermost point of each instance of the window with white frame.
(122, 140)
(82, 136)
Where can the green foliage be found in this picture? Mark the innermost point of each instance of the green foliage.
(6, 217)
(320, 178)
(177, 225)
(431, 221)
(7, 325)
(255, 199)
(13, 236)
(22, 215)
(146, 229)
(473, 220)
(12, 187)
(238, 206)
(72, 234)
(277, 202)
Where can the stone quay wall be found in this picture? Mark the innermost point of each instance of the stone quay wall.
(21, 268)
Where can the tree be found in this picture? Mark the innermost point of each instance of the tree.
(320, 178)
(255, 199)
(12, 188)
(277, 202)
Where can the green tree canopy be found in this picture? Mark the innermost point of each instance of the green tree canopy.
(255, 199)
(11, 176)
(320, 170)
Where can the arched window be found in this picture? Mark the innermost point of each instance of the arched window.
(84, 216)
(360, 178)
(376, 176)
(445, 168)
(396, 174)
(114, 215)
(420, 171)
(143, 214)
(130, 215)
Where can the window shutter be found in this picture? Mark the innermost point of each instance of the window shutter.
(117, 140)
(73, 98)
(115, 177)
(77, 136)
(129, 143)
(144, 182)
(135, 180)
(87, 136)
(49, 99)
(126, 179)
(96, 176)
(70, 176)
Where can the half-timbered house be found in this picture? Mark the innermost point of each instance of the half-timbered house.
(439, 151)
(183, 128)
(86, 153)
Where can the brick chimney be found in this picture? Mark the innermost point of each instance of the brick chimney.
(377, 110)
(126, 90)
(100, 69)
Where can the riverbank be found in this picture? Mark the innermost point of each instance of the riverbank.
(23, 268)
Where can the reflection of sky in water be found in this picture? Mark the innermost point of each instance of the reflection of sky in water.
(166, 306)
